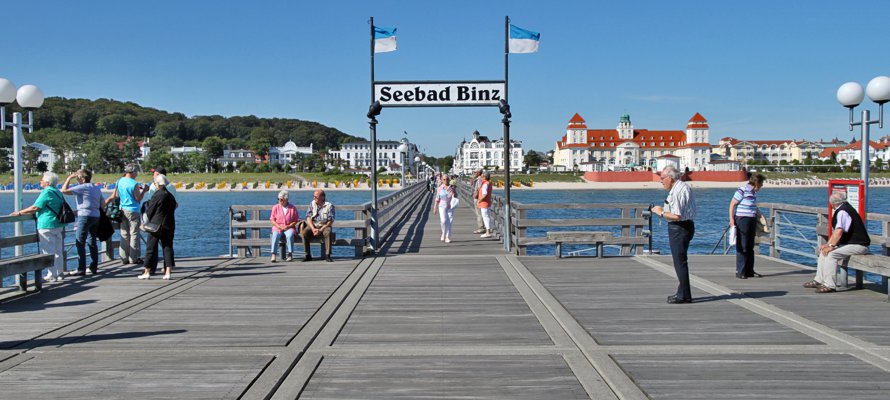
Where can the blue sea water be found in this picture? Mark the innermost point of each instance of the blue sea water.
(202, 218)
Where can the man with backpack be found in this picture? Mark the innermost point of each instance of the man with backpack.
(130, 194)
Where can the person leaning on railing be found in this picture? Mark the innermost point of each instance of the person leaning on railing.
(49, 230)
(743, 218)
(848, 237)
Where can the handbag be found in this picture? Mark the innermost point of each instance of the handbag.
(762, 227)
(105, 229)
(454, 202)
(733, 234)
(151, 227)
(65, 215)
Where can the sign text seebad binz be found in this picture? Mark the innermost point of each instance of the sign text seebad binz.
(407, 94)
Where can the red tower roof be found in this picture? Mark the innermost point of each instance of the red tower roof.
(697, 122)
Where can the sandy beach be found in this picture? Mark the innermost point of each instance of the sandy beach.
(537, 186)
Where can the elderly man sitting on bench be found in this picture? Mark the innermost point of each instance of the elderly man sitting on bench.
(319, 218)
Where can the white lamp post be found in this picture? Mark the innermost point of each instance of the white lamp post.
(403, 148)
(416, 168)
(850, 95)
(30, 98)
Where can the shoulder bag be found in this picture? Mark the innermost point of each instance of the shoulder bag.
(65, 215)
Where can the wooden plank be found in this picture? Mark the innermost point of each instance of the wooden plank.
(265, 224)
(537, 241)
(18, 240)
(579, 236)
(24, 264)
(606, 206)
(535, 222)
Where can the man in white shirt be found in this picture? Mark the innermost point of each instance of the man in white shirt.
(678, 210)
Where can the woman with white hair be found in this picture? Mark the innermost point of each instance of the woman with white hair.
(49, 230)
(284, 221)
(161, 227)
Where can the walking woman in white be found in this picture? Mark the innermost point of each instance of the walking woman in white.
(444, 196)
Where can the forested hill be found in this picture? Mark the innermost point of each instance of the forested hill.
(72, 121)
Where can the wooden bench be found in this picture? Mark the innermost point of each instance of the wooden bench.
(597, 238)
(874, 263)
(298, 241)
(21, 265)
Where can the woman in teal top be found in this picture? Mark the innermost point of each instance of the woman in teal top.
(49, 229)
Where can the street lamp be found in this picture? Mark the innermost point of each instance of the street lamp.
(29, 98)
(850, 95)
(416, 167)
(403, 148)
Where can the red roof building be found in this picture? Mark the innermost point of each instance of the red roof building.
(628, 148)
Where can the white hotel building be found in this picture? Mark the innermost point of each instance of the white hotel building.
(357, 156)
(481, 152)
(626, 147)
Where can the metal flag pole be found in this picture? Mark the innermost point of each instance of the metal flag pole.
(373, 123)
(507, 145)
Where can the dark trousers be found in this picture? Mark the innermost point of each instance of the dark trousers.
(325, 236)
(744, 245)
(151, 251)
(86, 226)
(680, 234)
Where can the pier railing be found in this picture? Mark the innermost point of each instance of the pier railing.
(800, 230)
(249, 225)
(629, 223)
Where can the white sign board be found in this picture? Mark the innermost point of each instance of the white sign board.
(430, 94)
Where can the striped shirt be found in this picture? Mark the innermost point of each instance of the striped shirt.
(680, 201)
(747, 198)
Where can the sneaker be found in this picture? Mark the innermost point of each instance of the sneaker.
(76, 273)
(442, 238)
(486, 235)
(290, 257)
(273, 259)
(480, 230)
(307, 258)
(447, 240)
(48, 278)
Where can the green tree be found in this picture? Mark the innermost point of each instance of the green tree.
(533, 159)
(159, 157)
(879, 164)
(854, 165)
(213, 147)
(5, 165)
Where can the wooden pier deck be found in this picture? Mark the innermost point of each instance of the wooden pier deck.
(425, 319)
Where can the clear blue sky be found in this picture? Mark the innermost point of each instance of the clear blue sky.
(754, 69)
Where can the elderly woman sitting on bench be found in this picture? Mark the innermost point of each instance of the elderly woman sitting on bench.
(284, 221)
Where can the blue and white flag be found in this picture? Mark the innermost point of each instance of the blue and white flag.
(384, 39)
(523, 41)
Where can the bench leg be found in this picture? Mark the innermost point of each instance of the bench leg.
(558, 249)
(844, 273)
(22, 280)
(859, 275)
(599, 250)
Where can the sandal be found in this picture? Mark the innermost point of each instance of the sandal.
(812, 285)
(825, 289)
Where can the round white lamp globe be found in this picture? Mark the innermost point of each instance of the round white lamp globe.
(850, 94)
(878, 89)
(7, 91)
(29, 97)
